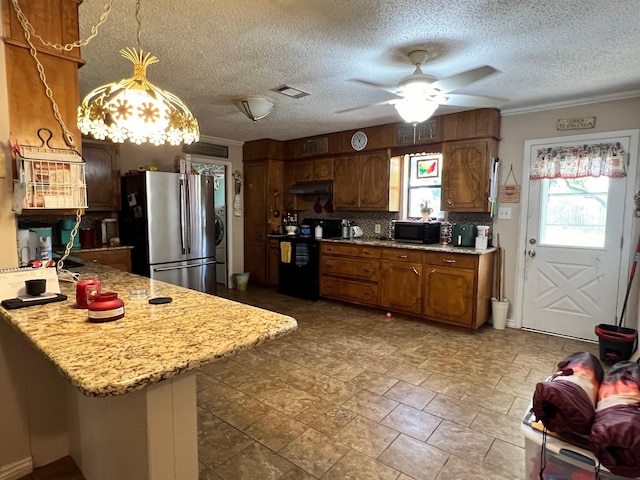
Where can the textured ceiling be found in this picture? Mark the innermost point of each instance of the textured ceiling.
(212, 52)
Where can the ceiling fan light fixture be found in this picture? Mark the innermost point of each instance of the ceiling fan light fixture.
(416, 110)
(255, 108)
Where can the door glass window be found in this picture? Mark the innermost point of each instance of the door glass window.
(423, 186)
(574, 211)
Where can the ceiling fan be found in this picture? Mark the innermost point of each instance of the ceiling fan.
(419, 95)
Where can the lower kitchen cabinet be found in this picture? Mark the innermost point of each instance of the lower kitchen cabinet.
(401, 280)
(274, 262)
(453, 288)
(350, 273)
(117, 258)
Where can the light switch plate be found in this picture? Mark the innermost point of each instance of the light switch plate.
(504, 213)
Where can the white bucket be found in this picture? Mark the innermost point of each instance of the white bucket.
(241, 280)
(499, 309)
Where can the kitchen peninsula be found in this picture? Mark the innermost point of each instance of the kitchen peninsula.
(132, 413)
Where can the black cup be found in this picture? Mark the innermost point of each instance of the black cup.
(36, 287)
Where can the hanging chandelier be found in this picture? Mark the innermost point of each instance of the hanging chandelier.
(134, 109)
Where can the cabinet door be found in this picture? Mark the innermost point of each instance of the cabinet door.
(465, 176)
(346, 183)
(449, 294)
(274, 262)
(401, 286)
(303, 170)
(374, 182)
(350, 267)
(102, 170)
(255, 221)
(349, 290)
(323, 169)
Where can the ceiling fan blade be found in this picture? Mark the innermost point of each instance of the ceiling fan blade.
(453, 83)
(386, 88)
(475, 101)
(353, 109)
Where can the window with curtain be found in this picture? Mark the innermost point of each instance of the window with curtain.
(595, 160)
(424, 178)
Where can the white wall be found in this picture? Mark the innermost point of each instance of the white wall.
(515, 129)
(134, 156)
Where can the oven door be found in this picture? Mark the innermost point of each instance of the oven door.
(300, 268)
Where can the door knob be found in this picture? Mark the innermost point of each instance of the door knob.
(531, 253)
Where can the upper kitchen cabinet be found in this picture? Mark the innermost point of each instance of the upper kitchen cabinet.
(367, 182)
(465, 175)
(102, 169)
(483, 122)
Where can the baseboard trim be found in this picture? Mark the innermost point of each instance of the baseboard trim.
(16, 470)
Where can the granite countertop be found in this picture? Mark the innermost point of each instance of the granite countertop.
(376, 242)
(151, 343)
(60, 249)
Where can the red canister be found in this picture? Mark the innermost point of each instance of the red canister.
(81, 288)
(106, 307)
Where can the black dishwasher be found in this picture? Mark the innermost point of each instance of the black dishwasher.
(300, 267)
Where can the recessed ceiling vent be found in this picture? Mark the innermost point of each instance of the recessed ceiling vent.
(290, 91)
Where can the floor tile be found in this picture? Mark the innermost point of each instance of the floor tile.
(446, 384)
(334, 390)
(217, 395)
(262, 388)
(275, 430)
(342, 370)
(504, 427)
(452, 409)
(355, 465)
(412, 422)
(409, 394)
(461, 441)
(374, 382)
(242, 412)
(206, 420)
(291, 401)
(414, 458)
(217, 445)
(519, 407)
(206, 473)
(408, 374)
(203, 380)
(489, 398)
(506, 459)
(366, 436)
(326, 417)
(458, 468)
(258, 462)
(370, 405)
(517, 388)
(314, 452)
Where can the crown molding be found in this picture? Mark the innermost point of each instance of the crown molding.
(572, 103)
(218, 140)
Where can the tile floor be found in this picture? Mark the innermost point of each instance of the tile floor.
(354, 395)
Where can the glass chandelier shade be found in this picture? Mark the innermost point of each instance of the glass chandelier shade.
(136, 110)
(416, 110)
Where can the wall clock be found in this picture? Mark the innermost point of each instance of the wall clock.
(359, 141)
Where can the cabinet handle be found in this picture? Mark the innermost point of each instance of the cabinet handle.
(367, 252)
(402, 256)
(432, 273)
(368, 270)
(415, 271)
(449, 202)
(447, 260)
(94, 260)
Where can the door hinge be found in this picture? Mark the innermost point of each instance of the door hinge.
(621, 242)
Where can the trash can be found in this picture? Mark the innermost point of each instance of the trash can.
(616, 343)
(241, 280)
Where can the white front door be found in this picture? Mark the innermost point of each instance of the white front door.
(574, 262)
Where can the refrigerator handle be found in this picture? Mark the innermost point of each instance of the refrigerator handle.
(188, 210)
(183, 220)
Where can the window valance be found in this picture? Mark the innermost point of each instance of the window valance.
(595, 160)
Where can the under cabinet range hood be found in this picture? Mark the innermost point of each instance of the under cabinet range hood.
(312, 188)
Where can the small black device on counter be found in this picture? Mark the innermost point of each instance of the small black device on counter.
(417, 232)
(463, 235)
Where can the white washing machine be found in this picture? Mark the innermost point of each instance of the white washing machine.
(221, 225)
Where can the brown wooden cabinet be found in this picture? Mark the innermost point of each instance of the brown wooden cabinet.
(323, 168)
(362, 182)
(401, 280)
(118, 258)
(255, 222)
(449, 287)
(102, 170)
(349, 272)
(465, 175)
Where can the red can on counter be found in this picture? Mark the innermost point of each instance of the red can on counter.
(81, 289)
(106, 307)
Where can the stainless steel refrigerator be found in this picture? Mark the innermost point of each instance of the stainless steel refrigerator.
(169, 218)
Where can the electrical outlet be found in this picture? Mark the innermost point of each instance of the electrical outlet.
(377, 228)
(504, 213)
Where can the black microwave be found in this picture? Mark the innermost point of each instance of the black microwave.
(417, 232)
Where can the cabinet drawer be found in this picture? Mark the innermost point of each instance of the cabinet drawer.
(349, 290)
(349, 250)
(401, 255)
(459, 260)
(353, 268)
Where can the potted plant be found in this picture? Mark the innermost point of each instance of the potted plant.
(425, 210)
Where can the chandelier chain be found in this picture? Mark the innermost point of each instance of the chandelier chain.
(138, 23)
(69, 46)
(67, 135)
